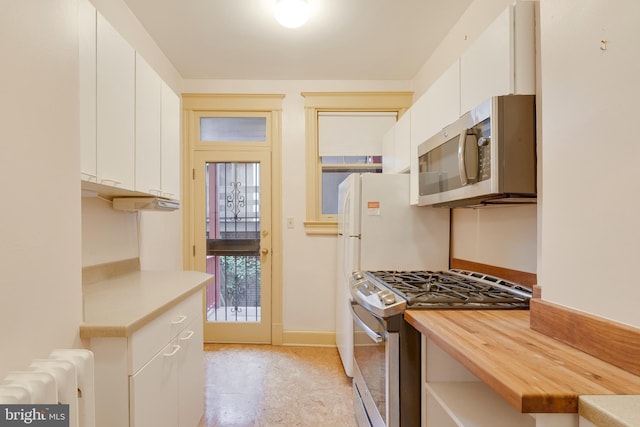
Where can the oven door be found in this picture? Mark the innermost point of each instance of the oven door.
(376, 370)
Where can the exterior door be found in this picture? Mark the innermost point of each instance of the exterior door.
(233, 241)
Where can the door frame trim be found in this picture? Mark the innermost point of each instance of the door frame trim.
(271, 105)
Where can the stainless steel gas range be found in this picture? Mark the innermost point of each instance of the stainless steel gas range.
(387, 355)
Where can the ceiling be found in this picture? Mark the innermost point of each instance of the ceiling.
(343, 39)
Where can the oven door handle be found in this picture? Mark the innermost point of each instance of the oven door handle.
(375, 336)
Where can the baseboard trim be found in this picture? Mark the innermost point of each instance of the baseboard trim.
(309, 338)
(613, 342)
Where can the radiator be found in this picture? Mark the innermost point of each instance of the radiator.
(65, 377)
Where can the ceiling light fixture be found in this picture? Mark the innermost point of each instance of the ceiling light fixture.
(292, 13)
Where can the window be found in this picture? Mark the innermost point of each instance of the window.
(233, 129)
(339, 130)
(335, 169)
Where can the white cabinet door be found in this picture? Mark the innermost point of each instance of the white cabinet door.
(388, 154)
(418, 113)
(115, 107)
(170, 143)
(402, 143)
(191, 375)
(443, 101)
(438, 107)
(153, 390)
(148, 101)
(87, 89)
(501, 60)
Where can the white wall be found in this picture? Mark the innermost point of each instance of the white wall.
(501, 236)
(109, 235)
(309, 261)
(160, 245)
(590, 233)
(40, 278)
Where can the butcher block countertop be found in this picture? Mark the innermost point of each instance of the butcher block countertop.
(531, 371)
(120, 305)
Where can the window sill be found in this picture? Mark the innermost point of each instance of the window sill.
(321, 228)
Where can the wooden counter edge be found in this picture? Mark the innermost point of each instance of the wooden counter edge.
(523, 403)
(513, 399)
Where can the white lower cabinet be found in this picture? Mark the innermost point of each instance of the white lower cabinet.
(153, 390)
(453, 397)
(154, 377)
(191, 376)
(163, 393)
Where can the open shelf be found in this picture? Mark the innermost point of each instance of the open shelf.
(473, 404)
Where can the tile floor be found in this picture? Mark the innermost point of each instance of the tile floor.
(269, 386)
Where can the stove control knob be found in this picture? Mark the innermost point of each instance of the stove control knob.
(358, 276)
(387, 297)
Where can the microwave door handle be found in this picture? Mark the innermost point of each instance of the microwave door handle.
(468, 157)
(375, 336)
(462, 167)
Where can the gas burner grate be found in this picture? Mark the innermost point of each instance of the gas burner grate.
(454, 289)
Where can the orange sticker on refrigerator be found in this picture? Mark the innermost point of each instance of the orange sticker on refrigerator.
(373, 208)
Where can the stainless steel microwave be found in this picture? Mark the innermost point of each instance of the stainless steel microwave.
(487, 156)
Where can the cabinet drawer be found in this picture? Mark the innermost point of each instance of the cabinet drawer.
(153, 390)
(151, 338)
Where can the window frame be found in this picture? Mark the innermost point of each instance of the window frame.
(316, 102)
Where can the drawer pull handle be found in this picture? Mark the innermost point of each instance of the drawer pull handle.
(187, 337)
(180, 320)
(176, 348)
(114, 182)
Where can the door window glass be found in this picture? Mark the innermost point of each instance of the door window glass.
(233, 129)
(233, 242)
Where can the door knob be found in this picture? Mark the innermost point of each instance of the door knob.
(265, 251)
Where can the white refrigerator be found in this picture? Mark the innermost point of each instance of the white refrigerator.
(379, 230)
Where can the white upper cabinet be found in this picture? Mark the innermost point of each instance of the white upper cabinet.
(438, 107)
(129, 117)
(170, 143)
(402, 143)
(148, 116)
(388, 154)
(115, 107)
(501, 60)
(396, 146)
(87, 82)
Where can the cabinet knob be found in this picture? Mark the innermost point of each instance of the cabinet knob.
(265, 251)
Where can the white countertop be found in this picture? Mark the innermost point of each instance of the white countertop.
(611, 410)
(118, 306)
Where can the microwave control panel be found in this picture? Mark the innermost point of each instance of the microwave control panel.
(483, 131)
(484, 159)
